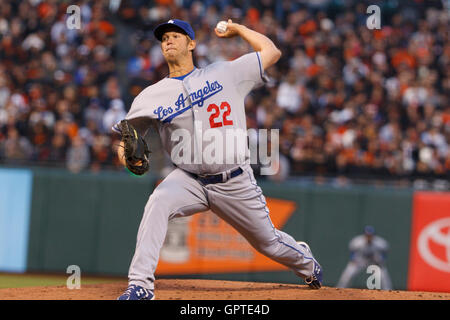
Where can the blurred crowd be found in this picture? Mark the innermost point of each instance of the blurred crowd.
(347, 100)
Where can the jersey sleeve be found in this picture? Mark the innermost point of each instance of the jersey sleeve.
(247, 72)
(382, 244)
(140, 108)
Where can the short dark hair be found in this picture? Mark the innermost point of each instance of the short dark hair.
(172, 28)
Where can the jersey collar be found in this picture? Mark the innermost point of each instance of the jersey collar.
(184, 76)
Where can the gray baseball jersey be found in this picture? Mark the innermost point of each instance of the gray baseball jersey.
(210, 98)
(364, 254)
(208, 103)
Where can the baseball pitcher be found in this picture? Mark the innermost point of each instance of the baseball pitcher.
(189, 108)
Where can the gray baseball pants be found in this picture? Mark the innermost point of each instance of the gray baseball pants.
(353, 269)
(238, 201)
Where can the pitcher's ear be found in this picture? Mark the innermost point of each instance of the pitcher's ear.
(192, 44)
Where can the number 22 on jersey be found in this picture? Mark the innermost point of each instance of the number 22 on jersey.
(215, 121)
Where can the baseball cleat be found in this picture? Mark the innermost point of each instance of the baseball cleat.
(315, 280)
(135, 292)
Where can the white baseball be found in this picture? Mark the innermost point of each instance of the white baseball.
(222, 26)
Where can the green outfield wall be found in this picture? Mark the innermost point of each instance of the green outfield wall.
(329, 217)
(91, 220)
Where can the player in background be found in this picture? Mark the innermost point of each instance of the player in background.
(365, 250)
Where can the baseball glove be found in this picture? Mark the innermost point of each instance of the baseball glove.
(136, 150)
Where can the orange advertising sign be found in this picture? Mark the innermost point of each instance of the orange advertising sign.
(429, 265)
(204, 243)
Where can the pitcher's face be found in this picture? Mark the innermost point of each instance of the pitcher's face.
(176, 46)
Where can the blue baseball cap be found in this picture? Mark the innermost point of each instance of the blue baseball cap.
(369, 230)
(183, 25)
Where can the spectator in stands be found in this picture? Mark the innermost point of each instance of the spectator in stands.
(347, 100)
(78, 156)
(114, 114)
(289, 93)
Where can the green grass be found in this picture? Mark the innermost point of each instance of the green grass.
(11, 280)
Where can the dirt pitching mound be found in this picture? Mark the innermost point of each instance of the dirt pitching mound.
(176, 289)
